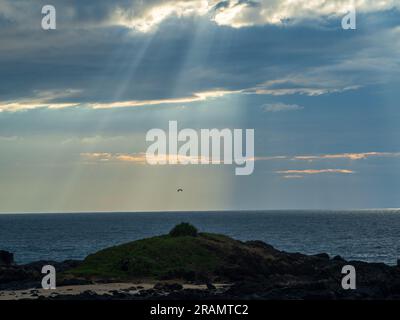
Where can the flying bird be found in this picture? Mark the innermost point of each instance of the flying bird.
(180, 190)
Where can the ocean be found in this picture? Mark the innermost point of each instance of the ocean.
(368, 235)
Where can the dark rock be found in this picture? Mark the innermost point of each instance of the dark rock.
(20, 277)
(159, 286)
(6, 258)
(60, 266)
(168, 286)
(118, 295)
(210, 286)
(14, 274)
(260, 244)
(338, 258)
(322, 256)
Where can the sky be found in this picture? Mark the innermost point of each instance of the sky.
(76, 103)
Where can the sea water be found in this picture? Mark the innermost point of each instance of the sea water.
(368, 235)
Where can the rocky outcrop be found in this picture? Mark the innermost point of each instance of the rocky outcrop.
(6, 258)
(254, 270)
(14, 277)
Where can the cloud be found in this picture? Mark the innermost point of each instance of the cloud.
(304, 85)
(350, 156)
(42, 99)
(138, 158)
(278, 107)
(146, 16)
(50, 101)
(239, 13)
(293, 84)
(268, 158)
(9, 138)
(329, 156)
(316, 171)
(337, 156)
(92, 140)
(293, 177)
(95, 157)
(95, 51)
(143, 158)
(312, 83)
(197, 97)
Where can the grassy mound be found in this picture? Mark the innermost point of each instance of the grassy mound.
(169, 257)
(157, 257)
(182, 254)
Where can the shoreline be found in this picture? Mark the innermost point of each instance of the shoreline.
(187, 265)
(109, 291)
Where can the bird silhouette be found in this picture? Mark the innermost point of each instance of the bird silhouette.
(180, 190)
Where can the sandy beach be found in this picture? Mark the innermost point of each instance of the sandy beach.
(94, 289)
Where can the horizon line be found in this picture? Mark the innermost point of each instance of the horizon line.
(197, 211)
